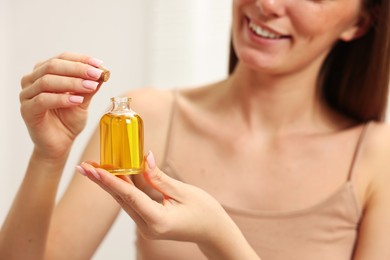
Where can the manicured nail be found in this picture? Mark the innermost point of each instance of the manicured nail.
(95, 174)
(95, 62)
(92, 170)
(89, 84)
(76, 99)
(94, 72)
(150, 160)
(81, 170)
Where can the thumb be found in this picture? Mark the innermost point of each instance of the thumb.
(161, 182)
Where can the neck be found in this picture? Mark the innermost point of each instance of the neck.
(279, 103)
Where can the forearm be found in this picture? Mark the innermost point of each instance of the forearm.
(24, 232)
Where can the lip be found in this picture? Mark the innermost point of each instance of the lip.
(257, 38)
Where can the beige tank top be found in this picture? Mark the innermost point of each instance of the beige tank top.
(327, 230)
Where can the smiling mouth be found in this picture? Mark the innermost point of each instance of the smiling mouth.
(264, 33)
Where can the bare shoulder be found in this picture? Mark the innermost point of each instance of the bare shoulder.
(377, 143)
(154, 106)
(375, 158)
(375, 223)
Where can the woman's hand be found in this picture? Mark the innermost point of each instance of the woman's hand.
(186, 213)
(54, 101)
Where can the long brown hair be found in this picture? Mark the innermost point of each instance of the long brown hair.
(355, 76)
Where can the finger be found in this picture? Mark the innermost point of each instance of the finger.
(93, 166)
(76, 57)
(89, 171)
(168, 186)
(58, 84)
(68, 68)
(69, 56)
(58, 100)
(148, 209)
(126, 178)
(88, 97)
(46, 101)
(63, 68)
(92, 163)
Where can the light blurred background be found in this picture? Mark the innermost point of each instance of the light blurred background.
(165, 44)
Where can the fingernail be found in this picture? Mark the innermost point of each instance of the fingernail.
(95, 174)
(81, 170)
(76, 99)
(94, 72)
(92, 170)
(95, 62)
(150, 160)
(89, 84)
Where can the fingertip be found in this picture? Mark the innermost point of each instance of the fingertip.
(80, 170)
(150, 161)
(92, 170)
(155, 177)
(95, 62)
(90, 84)
(76, 99)
(94, 73)
(150, 166)
(96, 174)
(93, 163)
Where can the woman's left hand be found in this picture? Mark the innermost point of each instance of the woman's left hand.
(187, 213)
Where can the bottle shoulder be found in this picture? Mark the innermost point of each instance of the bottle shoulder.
(122, 113)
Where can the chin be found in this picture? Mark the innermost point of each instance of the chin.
(257, 62)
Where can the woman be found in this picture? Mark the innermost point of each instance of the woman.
(287, 144)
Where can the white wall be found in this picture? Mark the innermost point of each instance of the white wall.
(160, 43)
(3, 85)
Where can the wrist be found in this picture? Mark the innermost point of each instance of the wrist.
(49, 159)
(227, 242)
(46, 165)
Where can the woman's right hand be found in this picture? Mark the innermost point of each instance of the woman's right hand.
(54, 100)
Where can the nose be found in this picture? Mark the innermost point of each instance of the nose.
(271, 8)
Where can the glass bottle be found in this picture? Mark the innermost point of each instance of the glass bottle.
(121, 139)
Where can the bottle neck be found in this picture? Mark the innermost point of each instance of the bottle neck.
(120, 104)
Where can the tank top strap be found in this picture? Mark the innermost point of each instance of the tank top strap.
(357, 150)
(165, 163)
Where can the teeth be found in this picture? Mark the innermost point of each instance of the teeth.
(262, 32)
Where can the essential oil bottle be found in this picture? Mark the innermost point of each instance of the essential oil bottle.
(121, 139)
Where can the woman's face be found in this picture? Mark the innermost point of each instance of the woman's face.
(283, 36)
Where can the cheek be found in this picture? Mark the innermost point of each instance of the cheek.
(320, 21)
(308, 21)
(237, 15)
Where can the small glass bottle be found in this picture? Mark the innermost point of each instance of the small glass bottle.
(121, 139)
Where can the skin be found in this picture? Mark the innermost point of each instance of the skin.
(177, 217)
(271, 99)
(310, 28)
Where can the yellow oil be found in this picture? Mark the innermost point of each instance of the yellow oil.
(121, 143)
